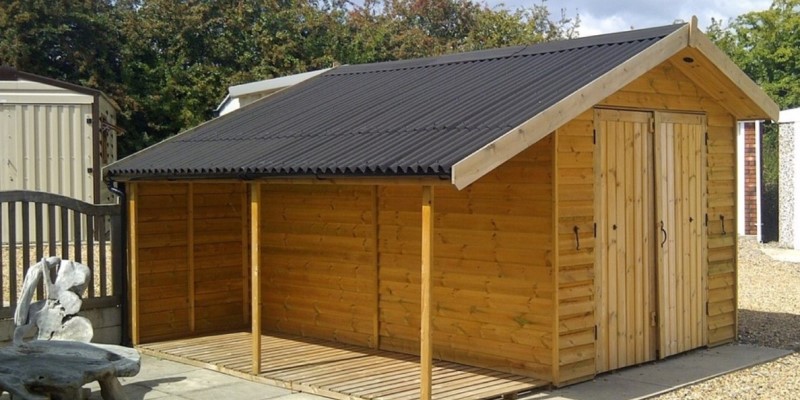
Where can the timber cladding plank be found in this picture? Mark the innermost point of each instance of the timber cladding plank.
(318, 261)
(574, 169)
(492, 271)
(189, 271)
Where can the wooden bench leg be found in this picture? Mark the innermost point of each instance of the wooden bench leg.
(111, 389)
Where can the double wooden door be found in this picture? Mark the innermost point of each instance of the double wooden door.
(650, 207)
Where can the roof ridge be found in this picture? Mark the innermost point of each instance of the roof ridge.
(542, 48)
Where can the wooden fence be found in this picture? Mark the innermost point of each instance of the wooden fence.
(34, 225)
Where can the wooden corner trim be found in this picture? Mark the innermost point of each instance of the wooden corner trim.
(698, 40)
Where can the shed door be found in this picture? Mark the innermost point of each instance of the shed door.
(626, 333)
(680, 213)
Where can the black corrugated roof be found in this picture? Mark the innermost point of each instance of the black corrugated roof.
(411, 117)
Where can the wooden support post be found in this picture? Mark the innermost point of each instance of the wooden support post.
(426, 334)
(255, 274)
(133, 260)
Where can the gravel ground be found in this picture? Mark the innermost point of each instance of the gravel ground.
(769, 315)
(5, 282)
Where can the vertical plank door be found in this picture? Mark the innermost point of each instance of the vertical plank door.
(680, 213)
(625, 255)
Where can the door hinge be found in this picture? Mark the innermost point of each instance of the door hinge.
(594, 136)
(653, 319)
(595, 332)
(595, 229)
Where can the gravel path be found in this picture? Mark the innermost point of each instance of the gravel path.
(769, 315)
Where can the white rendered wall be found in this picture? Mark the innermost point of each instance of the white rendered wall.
(789, 185)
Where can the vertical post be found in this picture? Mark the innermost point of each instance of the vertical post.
(133, 250)
(255, 274)
(426, 336)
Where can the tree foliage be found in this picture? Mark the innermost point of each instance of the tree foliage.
(766, 45)
(168, 62)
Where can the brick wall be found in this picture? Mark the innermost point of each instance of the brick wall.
(750, 189)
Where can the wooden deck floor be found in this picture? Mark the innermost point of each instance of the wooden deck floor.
(337, 370)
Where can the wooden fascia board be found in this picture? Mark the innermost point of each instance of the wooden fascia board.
(703, 44)
(489, 157)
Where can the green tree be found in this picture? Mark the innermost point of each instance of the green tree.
(766, 45)
(72, 40)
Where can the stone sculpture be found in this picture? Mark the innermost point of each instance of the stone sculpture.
(60, 361)
(55, 316)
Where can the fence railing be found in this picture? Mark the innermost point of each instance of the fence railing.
(34, 225)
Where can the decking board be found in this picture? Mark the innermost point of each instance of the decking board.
(338, 370)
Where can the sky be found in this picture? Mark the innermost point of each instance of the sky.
(605, 16)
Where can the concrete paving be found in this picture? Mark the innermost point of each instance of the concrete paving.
(663, 376)
(785, 255)
(165, 380)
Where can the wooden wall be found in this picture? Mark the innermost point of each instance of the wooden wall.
(188, 248)
(668, 88)
(576, 300)
(318, 261)
(493, 276)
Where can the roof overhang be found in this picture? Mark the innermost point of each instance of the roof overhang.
(713, 72)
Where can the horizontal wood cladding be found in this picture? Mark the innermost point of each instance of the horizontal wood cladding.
(492, 274)
(219, 284)
(576, 301)
(667, 88)
(189, 258)
(318, 255)
(163, 270)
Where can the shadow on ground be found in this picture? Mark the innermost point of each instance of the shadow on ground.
(776, 330)
(138, 390)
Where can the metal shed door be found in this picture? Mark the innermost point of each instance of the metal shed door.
(625, 284)
(680, 213)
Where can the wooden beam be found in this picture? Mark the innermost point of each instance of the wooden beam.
(556, 367)
(426, 334)
(255, 274)
(190, 254)
(704, 45)
(489, 157)
(133, 262)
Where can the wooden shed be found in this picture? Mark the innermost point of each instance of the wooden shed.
(464, 226)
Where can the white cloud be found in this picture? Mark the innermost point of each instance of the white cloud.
(604, 16)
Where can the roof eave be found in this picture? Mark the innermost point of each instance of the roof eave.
(757, 96)
(502, 149)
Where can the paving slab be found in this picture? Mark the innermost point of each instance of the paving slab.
(655, 378)
(167, 380)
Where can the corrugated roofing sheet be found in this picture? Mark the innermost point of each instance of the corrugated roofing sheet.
(411, 117)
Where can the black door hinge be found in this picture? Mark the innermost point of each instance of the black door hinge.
(594, 136)
(595, 332)
(595, 229)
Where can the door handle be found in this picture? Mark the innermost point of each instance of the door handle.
(664, 232)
